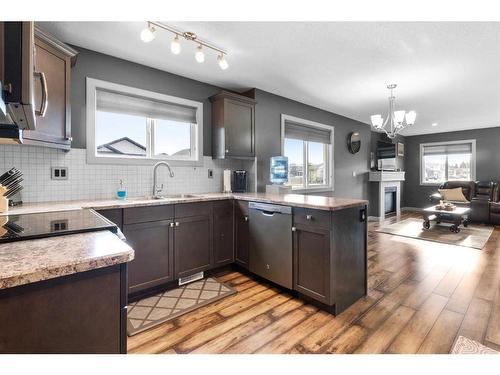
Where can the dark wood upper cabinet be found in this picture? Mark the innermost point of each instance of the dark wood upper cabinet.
(223, 233)
(233, 125)
(54, 59)
(153, 262)
(241, 233)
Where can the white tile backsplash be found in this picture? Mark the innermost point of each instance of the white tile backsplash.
(99, 181)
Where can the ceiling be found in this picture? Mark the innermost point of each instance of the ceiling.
(448, 72)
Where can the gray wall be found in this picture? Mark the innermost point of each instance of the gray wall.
(487, 160)
(97, 65)
(268, 142)
(268, 116)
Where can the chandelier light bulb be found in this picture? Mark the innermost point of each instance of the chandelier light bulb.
(222, 62)
(377, 121)
(199, 55)
(411, 117)
(148, 34)
(175, 45)
(399, 116)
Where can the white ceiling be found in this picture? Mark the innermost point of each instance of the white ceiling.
(449, 73)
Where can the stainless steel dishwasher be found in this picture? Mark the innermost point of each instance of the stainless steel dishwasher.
(270, 229)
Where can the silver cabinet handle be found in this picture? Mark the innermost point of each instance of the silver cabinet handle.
(69, 139)
(177, 223)
(246, 218)
(171, 225)
(294, 229)
(227, 151)
(45, 96)
(309, 217)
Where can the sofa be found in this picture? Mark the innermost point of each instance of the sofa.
(483, 198)
(495, 206)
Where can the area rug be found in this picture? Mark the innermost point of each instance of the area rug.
(474, 236)
(463, 345)
(152, 311)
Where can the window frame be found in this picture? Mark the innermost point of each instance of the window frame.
(472, 160)
(329, 160)
(92, 85)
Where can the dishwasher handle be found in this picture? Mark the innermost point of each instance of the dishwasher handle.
(267, 213)
(270, 209)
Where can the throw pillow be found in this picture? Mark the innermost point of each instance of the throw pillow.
(455, 195)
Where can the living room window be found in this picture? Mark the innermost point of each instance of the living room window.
(309, 148)
(447, 161)
(126, 125)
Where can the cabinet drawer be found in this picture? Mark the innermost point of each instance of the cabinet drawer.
(315, 218)
(193, 209)
(150, 213)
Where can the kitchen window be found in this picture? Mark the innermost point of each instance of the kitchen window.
(447, 161)
(309, 148)
(126, 125)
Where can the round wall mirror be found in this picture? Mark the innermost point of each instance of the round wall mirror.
(354, 142)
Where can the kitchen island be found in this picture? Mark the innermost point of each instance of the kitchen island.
(64, 294)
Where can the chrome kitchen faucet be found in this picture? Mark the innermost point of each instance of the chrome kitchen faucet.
(158, 189)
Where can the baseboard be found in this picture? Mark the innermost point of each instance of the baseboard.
(411, 209)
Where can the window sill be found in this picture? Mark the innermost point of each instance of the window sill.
(323, 189)
(91, 159)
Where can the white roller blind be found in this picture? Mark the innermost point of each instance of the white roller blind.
(110, 101)
(448, 149)
(307, 133)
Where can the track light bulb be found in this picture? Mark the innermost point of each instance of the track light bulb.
(222, 62)
(148, 34)
(199, 55)
(175, 45)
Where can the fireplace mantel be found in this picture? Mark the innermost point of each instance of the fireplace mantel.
(378, 176)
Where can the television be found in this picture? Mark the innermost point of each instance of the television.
(386, 150)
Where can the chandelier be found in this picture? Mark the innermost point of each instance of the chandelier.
(395, 120)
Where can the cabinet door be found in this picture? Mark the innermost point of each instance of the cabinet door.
(223, 233)
(54, 128)
(239, 128)
(241, 233)
(311, 252)
(193, 245)
(153, 262)
(113, 214)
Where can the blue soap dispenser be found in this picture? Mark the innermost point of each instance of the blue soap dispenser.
(121, 193)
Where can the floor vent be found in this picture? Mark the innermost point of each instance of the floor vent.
(191, 278)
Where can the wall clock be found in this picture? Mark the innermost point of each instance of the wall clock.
(354, 142)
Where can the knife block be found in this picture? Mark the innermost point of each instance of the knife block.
(4, 204)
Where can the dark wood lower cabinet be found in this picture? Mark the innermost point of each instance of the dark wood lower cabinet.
(153, 262)
(80, 313)
(192, 245)
(223, 237)
(241, 233)
(312, 262)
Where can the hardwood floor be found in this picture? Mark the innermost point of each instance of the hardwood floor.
(421, 296)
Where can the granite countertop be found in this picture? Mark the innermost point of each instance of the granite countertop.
(24, 262)
(294, 200)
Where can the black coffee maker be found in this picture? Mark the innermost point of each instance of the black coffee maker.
(239, 181)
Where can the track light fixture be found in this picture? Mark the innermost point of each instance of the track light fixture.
(148, 34)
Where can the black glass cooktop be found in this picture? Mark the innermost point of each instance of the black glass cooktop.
(31, 226)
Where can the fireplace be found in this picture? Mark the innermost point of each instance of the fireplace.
(390, 196)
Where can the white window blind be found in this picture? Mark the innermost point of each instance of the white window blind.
(109, 101)
(448, 149)
(303, 132)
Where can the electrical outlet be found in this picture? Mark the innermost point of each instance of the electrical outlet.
(210, 173)
(59, 173)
